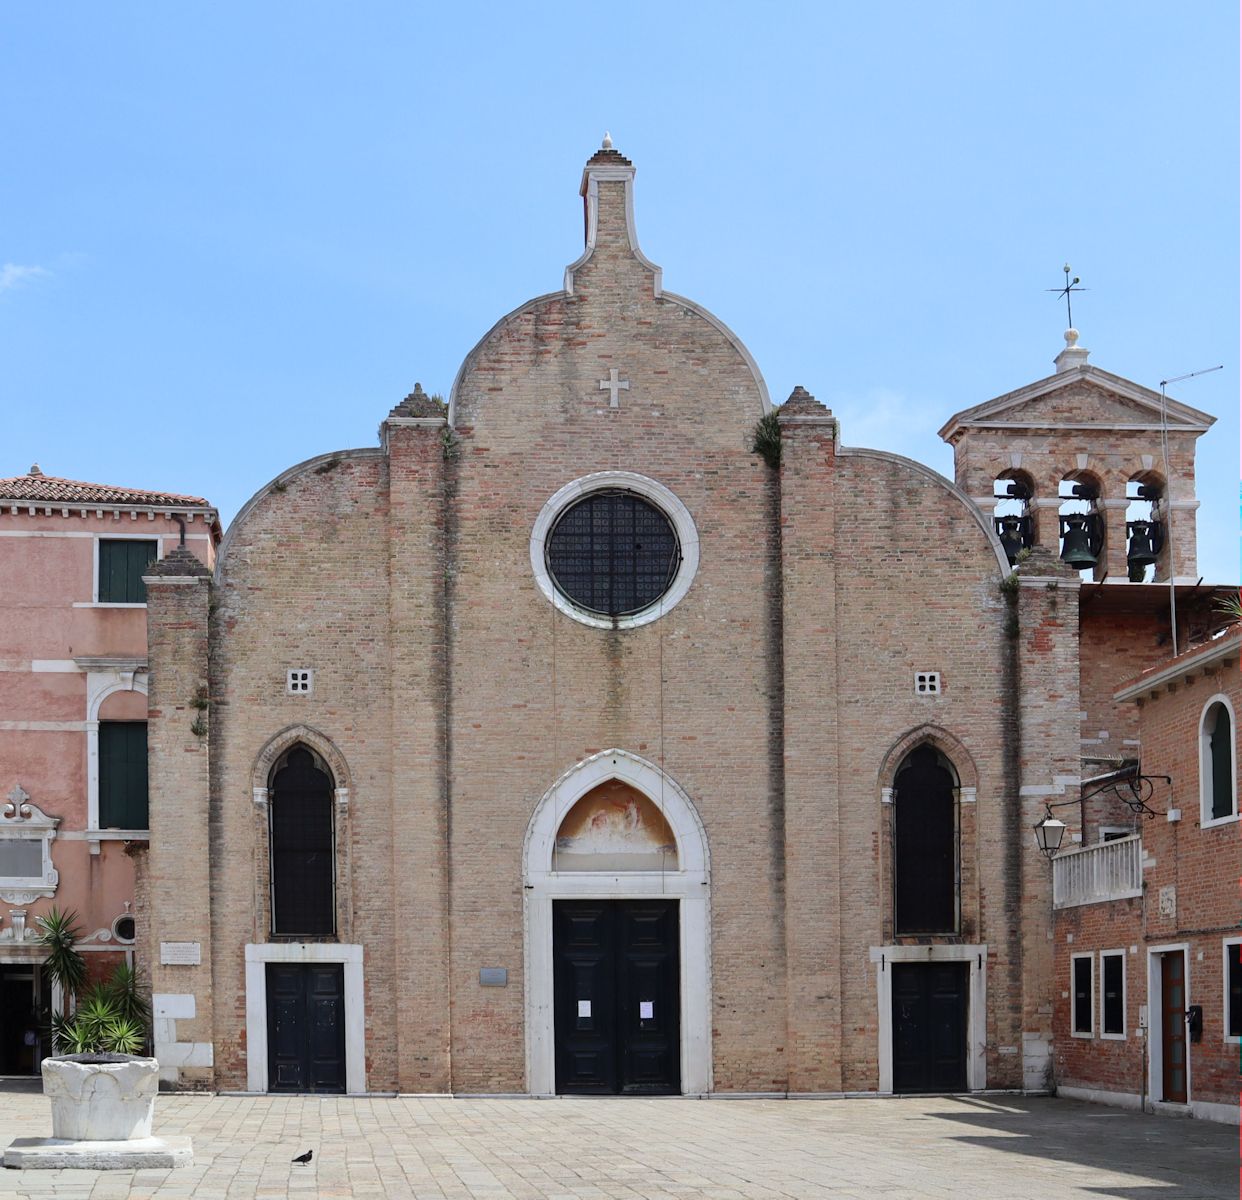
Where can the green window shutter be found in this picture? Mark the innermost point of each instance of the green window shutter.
(123, 775)
(1221, 744)
(122, 564)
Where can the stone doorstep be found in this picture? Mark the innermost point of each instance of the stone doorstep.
(54, 1154)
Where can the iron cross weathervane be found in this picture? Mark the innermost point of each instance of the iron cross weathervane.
(1070, 286)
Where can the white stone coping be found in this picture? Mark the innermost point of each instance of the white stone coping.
(649, 489)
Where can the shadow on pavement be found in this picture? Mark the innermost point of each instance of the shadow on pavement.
(1172, 1159)
(21, 1083)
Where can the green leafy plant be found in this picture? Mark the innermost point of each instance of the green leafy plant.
(1231, 606)
(58, 935)
(766, 440)
(111, 1017)
(124, 990)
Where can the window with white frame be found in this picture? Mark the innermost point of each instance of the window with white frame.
(1233, 989)
(26, 834)
(1082, 995)
(122, 562)
(299, 682)
(1112, 993)
(1218, 779)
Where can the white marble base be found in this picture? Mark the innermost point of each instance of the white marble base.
(54, 1154)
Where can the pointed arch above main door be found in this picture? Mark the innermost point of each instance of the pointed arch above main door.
(688, 884)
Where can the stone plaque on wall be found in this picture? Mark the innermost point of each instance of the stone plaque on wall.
(181, 954)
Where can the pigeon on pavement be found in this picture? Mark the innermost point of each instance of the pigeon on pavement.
(304, 1158)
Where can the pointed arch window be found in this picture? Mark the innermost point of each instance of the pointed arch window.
(925, 852)
(1217, 768)
(302, 841)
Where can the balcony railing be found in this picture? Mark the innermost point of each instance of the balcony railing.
(1107, 871)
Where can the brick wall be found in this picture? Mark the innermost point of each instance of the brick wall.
(1190, 896)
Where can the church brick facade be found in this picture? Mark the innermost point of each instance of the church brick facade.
(395, 615)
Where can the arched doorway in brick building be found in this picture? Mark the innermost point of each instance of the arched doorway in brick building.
(617, 951)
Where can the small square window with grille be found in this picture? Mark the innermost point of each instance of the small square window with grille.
(299, 683)
(927, 683)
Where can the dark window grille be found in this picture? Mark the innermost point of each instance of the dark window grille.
(123, 775)
(925, 851)
(1082, 995)
(303, 874)
(1113, 985)
(122, 564)
(613, 553)
(1220, 753)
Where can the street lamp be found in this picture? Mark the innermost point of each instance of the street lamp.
(1048, 835)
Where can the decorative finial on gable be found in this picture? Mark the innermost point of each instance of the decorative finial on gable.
(34, 469)
(1073, 355)
(607, 142)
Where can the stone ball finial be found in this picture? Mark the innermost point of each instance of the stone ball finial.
(1071, 337)
(34, 469)
(607, 143)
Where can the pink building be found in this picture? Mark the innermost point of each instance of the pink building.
(73, 719)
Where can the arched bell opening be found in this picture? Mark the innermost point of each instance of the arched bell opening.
(1146, 558)
(1082, 528)
(1014, 514)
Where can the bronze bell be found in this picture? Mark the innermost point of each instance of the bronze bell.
(1080, 546)
(1146, 541)
(1015, 535)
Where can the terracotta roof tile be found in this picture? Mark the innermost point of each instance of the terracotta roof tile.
(49, 489)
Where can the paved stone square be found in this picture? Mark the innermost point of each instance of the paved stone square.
(667, 1149)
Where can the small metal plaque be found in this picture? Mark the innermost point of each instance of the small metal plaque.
(493, 977)
(181, 954)
(646, 1010)
(584, 1008)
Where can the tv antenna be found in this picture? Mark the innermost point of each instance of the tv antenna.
(1168, 479)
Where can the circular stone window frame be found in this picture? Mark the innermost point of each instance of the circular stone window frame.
(656, 494)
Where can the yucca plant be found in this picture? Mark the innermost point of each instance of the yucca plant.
(58, 935)
(125, 992)
(111, 1016)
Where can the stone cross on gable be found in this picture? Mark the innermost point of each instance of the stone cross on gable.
(614, 386)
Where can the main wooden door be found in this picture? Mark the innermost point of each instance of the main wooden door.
(305, 1027)
(1173, 1026)
(616, 997)
(929, 1027)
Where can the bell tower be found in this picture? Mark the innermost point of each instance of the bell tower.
(1093, 467)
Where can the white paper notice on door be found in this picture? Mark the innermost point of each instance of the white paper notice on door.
(584, 1008)
(646, 1010)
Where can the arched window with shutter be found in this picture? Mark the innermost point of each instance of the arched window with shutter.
(1218, 786)
(925, 851)
(302, 842)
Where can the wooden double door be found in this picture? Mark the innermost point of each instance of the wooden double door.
(305, 1027)
(616, 997)
(930, 1005)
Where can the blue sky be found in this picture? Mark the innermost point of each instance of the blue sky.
(233, 235)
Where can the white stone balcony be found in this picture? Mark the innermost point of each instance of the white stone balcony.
(1107, 871)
